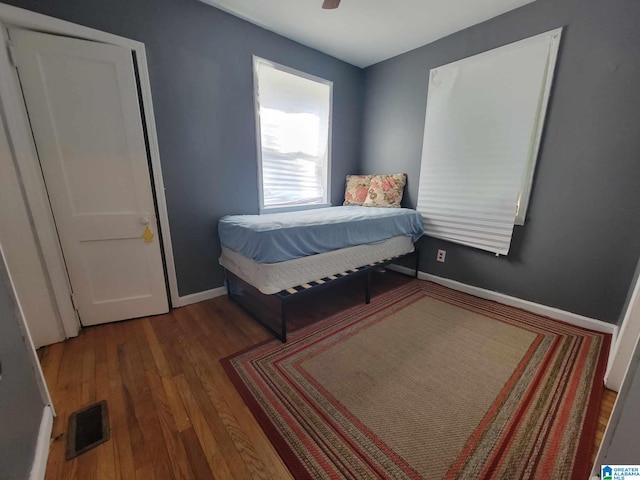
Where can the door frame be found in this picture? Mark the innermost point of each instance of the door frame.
(628, 337)
(28, 164)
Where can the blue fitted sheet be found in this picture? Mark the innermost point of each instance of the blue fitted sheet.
(277, 237)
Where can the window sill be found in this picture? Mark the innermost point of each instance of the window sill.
(293, 208)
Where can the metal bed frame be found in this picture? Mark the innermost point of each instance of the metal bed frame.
(257, 304)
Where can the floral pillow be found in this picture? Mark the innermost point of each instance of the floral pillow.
(357, 188)
(386, 190)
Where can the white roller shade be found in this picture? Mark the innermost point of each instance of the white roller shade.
(482, 130)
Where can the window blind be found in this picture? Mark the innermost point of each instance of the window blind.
(482, 129)
(293, 122)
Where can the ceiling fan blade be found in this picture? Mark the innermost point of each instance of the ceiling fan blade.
(330, 4)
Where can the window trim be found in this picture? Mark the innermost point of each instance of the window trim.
(554, 37)
(256, 105)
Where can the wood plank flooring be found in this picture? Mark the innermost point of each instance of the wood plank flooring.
(173, 411)
(606, 407)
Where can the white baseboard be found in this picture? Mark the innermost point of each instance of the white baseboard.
(537, 308)
(39, 467)
(200, 296)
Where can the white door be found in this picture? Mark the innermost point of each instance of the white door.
(82, 101)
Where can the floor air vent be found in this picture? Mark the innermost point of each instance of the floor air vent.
(88, 428)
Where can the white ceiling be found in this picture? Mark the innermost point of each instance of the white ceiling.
(364, 32)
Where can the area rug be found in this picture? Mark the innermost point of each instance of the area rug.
(427, 382)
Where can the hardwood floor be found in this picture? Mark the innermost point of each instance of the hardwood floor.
(173, 411)
(606, 407)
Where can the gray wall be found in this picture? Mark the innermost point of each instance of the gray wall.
(20, 401)
(201, 81)
(580, 245)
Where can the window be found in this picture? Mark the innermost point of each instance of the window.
(293, 122)
(482, 134)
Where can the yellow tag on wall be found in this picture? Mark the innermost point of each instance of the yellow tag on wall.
(147, 235)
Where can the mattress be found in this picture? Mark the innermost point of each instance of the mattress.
(279, 237)
(271, 278)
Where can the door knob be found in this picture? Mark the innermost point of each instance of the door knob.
(144, 221)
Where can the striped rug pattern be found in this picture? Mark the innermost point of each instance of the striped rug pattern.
(427, 382)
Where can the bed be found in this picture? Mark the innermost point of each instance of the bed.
(276, 256)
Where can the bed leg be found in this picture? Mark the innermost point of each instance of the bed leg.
(367, 288)
(417, 262)
(283, 322)
(229, 285)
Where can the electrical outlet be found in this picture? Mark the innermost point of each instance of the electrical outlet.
(441, 255)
